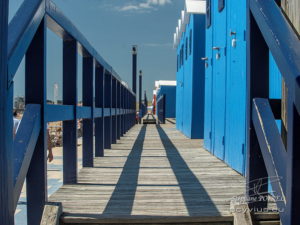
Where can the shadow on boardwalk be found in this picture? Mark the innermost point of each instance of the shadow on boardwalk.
(192, 191)
(194, 194)
(128, 181)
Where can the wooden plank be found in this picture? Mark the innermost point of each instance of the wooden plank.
(152, 175)
(291, 9)
(51, 214)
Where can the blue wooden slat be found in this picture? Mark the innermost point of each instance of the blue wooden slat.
(257, 87)
(270, 141)
(106, 112)
(6, 99)
(107, 105)
(99, 102)
(70, 96)
(279, 36)
(118, 112)
(84, 112)
(21, 31)
(55, 113)
(113, 112)
(88, 101)
(35, 93)
(97, 112)
(24, 144)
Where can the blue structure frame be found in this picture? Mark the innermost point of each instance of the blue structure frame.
(170, 100)
(107, 102)
(269, 153)
(190, 78)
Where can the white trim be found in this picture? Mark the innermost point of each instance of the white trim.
(195, 6)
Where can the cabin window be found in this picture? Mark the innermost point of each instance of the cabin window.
(208, 13)
(221, 5)
(190, 48)
(177, 63)
(186, 48)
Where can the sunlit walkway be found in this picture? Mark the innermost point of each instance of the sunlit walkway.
(153, 174)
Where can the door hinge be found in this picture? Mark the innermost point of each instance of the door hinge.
(210, 135)
(223, 140)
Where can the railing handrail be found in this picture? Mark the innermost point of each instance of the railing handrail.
(25, 23)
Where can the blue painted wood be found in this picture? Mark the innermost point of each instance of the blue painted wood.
(21, 31)
(123, 116)
(55, 113)
(107, 104)
(35, 93)
(161, 109)
(24, 144)
(84, 112)
(6, 98)
(257, 87)
(99, 103)
(208, 13)
(88, 100)
(292, 216)
(219, 80)
(279, 36)
(114, 118)
(69, 98)
(271, 145)
(118, 111)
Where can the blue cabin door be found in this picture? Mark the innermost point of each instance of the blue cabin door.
(208, 79)
(235, 154)
(219, 78)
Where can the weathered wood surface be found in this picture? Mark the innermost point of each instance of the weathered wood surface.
(292, 9)
(154, 174)
(51, 214)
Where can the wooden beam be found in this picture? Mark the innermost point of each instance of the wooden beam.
(6, 126)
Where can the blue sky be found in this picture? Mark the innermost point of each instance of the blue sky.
(112, 27)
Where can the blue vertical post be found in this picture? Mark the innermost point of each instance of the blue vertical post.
(258, 87)
(118, 107)
(6, 137)
(122, 106)
(70, 98)
(107, 120)
(88, 100)
(114, 106)
(99, 100)
(35, 93)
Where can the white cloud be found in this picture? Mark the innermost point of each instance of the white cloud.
(148, 4)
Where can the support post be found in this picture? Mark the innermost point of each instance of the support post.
(114, 106)
(258, 87)
(88, 100)
(140, 96)
(107, 123)
(6, 126)
(35, 93)
(99, 100)
(70, 98)
(118, 107)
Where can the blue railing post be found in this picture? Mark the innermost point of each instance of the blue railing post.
(258, 87)
(6, 137)
(99, 100)
(107, 100)
(35, 93)
(118, 107)
(122, 116)
(70, 98)
(88, 100)
(114, 117)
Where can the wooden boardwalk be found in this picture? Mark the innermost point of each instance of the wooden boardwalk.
(153, 175)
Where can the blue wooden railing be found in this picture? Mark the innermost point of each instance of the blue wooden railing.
(271, 153)
(108, 105)
(161, 109)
